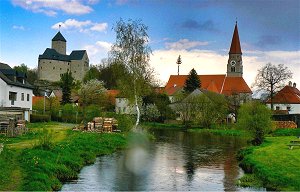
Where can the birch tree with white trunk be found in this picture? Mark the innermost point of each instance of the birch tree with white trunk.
(131, 49)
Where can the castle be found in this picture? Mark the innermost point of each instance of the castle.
(54, 61)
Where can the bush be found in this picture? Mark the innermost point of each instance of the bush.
(255, 118)
(39, 118)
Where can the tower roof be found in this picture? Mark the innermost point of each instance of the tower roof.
(235, 47)
(59, 37)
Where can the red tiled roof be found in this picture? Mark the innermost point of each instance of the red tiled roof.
(112, 94)
(234, 85)
(215, 83)
(235, 43)
(287, 95)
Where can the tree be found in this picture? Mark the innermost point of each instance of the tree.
(66, 83)
(192, 82)
(272, 78)
(255, 118)
(132, 51)
(93, 73)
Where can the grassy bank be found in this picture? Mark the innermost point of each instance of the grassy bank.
(276, 166)
(44, 158)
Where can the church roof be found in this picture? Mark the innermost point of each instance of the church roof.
(59, 37)
(287, 95)
(235, 47)
(52, 54)
(215, 83)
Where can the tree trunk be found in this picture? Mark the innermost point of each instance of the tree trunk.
(137, 107)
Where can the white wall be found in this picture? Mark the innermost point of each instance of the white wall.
(124, 107)
(295, 108)
(4, 96)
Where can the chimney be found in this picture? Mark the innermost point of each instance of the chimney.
(294, 85)
(290, 83)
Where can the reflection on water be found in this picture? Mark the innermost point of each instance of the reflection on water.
(175, 161)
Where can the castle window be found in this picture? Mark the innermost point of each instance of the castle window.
(232, 69)
(41, 67)
(53, 67)
(74, 71)
(60, 68)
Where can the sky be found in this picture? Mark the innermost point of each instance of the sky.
(198, 30)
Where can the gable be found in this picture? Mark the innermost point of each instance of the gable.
(234, 85)
(287, 95)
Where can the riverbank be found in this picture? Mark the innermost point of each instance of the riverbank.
(44, 158)
(272, 164)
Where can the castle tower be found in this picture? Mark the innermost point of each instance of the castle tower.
(235, 63)
(59, 43)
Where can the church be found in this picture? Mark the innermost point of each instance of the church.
(231, 83)
(54, 61)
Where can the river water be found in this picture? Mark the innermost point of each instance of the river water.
(175, 161)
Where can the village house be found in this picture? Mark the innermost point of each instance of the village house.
(287, 100)
(228, 84)
(15, 93)
(54, 61)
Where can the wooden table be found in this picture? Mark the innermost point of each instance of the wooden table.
(294, 143)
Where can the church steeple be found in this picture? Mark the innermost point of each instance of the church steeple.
(235, 47)
(235, 63)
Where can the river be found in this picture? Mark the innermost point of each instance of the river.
(175, 161)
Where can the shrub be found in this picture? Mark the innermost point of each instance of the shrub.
(39, 118)
(255, 118)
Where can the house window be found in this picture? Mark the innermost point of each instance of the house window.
(277, 107)
(22, 97)
(27, 97)
(12, 97)
(288, 108)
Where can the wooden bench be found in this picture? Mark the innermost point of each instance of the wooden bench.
(294, 143)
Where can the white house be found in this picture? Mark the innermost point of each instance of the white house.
(15, 93)
(123, 106)
(287, 99)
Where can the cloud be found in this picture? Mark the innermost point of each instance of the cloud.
(211, 62)
(185, 44)
(98, 51)
(81, 26)
(51, 7)
(19, 27)
(201, 26)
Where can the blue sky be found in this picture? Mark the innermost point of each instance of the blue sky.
(200, 31)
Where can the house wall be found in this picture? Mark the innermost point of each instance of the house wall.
(3, 93)
(295, 108)
(124, 107)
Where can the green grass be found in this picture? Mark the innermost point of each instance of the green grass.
(50, 154)
(274, 164)
(286, 132)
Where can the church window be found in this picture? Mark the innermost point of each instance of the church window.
(232, 69)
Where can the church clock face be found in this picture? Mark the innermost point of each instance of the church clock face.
(232, 63)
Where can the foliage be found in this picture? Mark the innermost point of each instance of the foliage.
(150, 112)
(68, 112)
(192, 82)
(131, 49)
(274, 164)
(39, 118)
(93, 73)
(66, 84)
(92, 111)
(162, 102)
(31, 74)
(203, 108)
(272, 78)
(92, 92)
(45, 140)
(255, 118)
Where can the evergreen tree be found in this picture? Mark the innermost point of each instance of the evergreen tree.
(66, 83)
(192, 82)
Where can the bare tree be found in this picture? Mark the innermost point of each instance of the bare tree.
(131, 50)
(271, 78)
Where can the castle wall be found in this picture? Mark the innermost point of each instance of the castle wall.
(51, 70)
(59, 46)
(79, 67)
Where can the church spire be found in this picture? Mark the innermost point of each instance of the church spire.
(235, 47)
